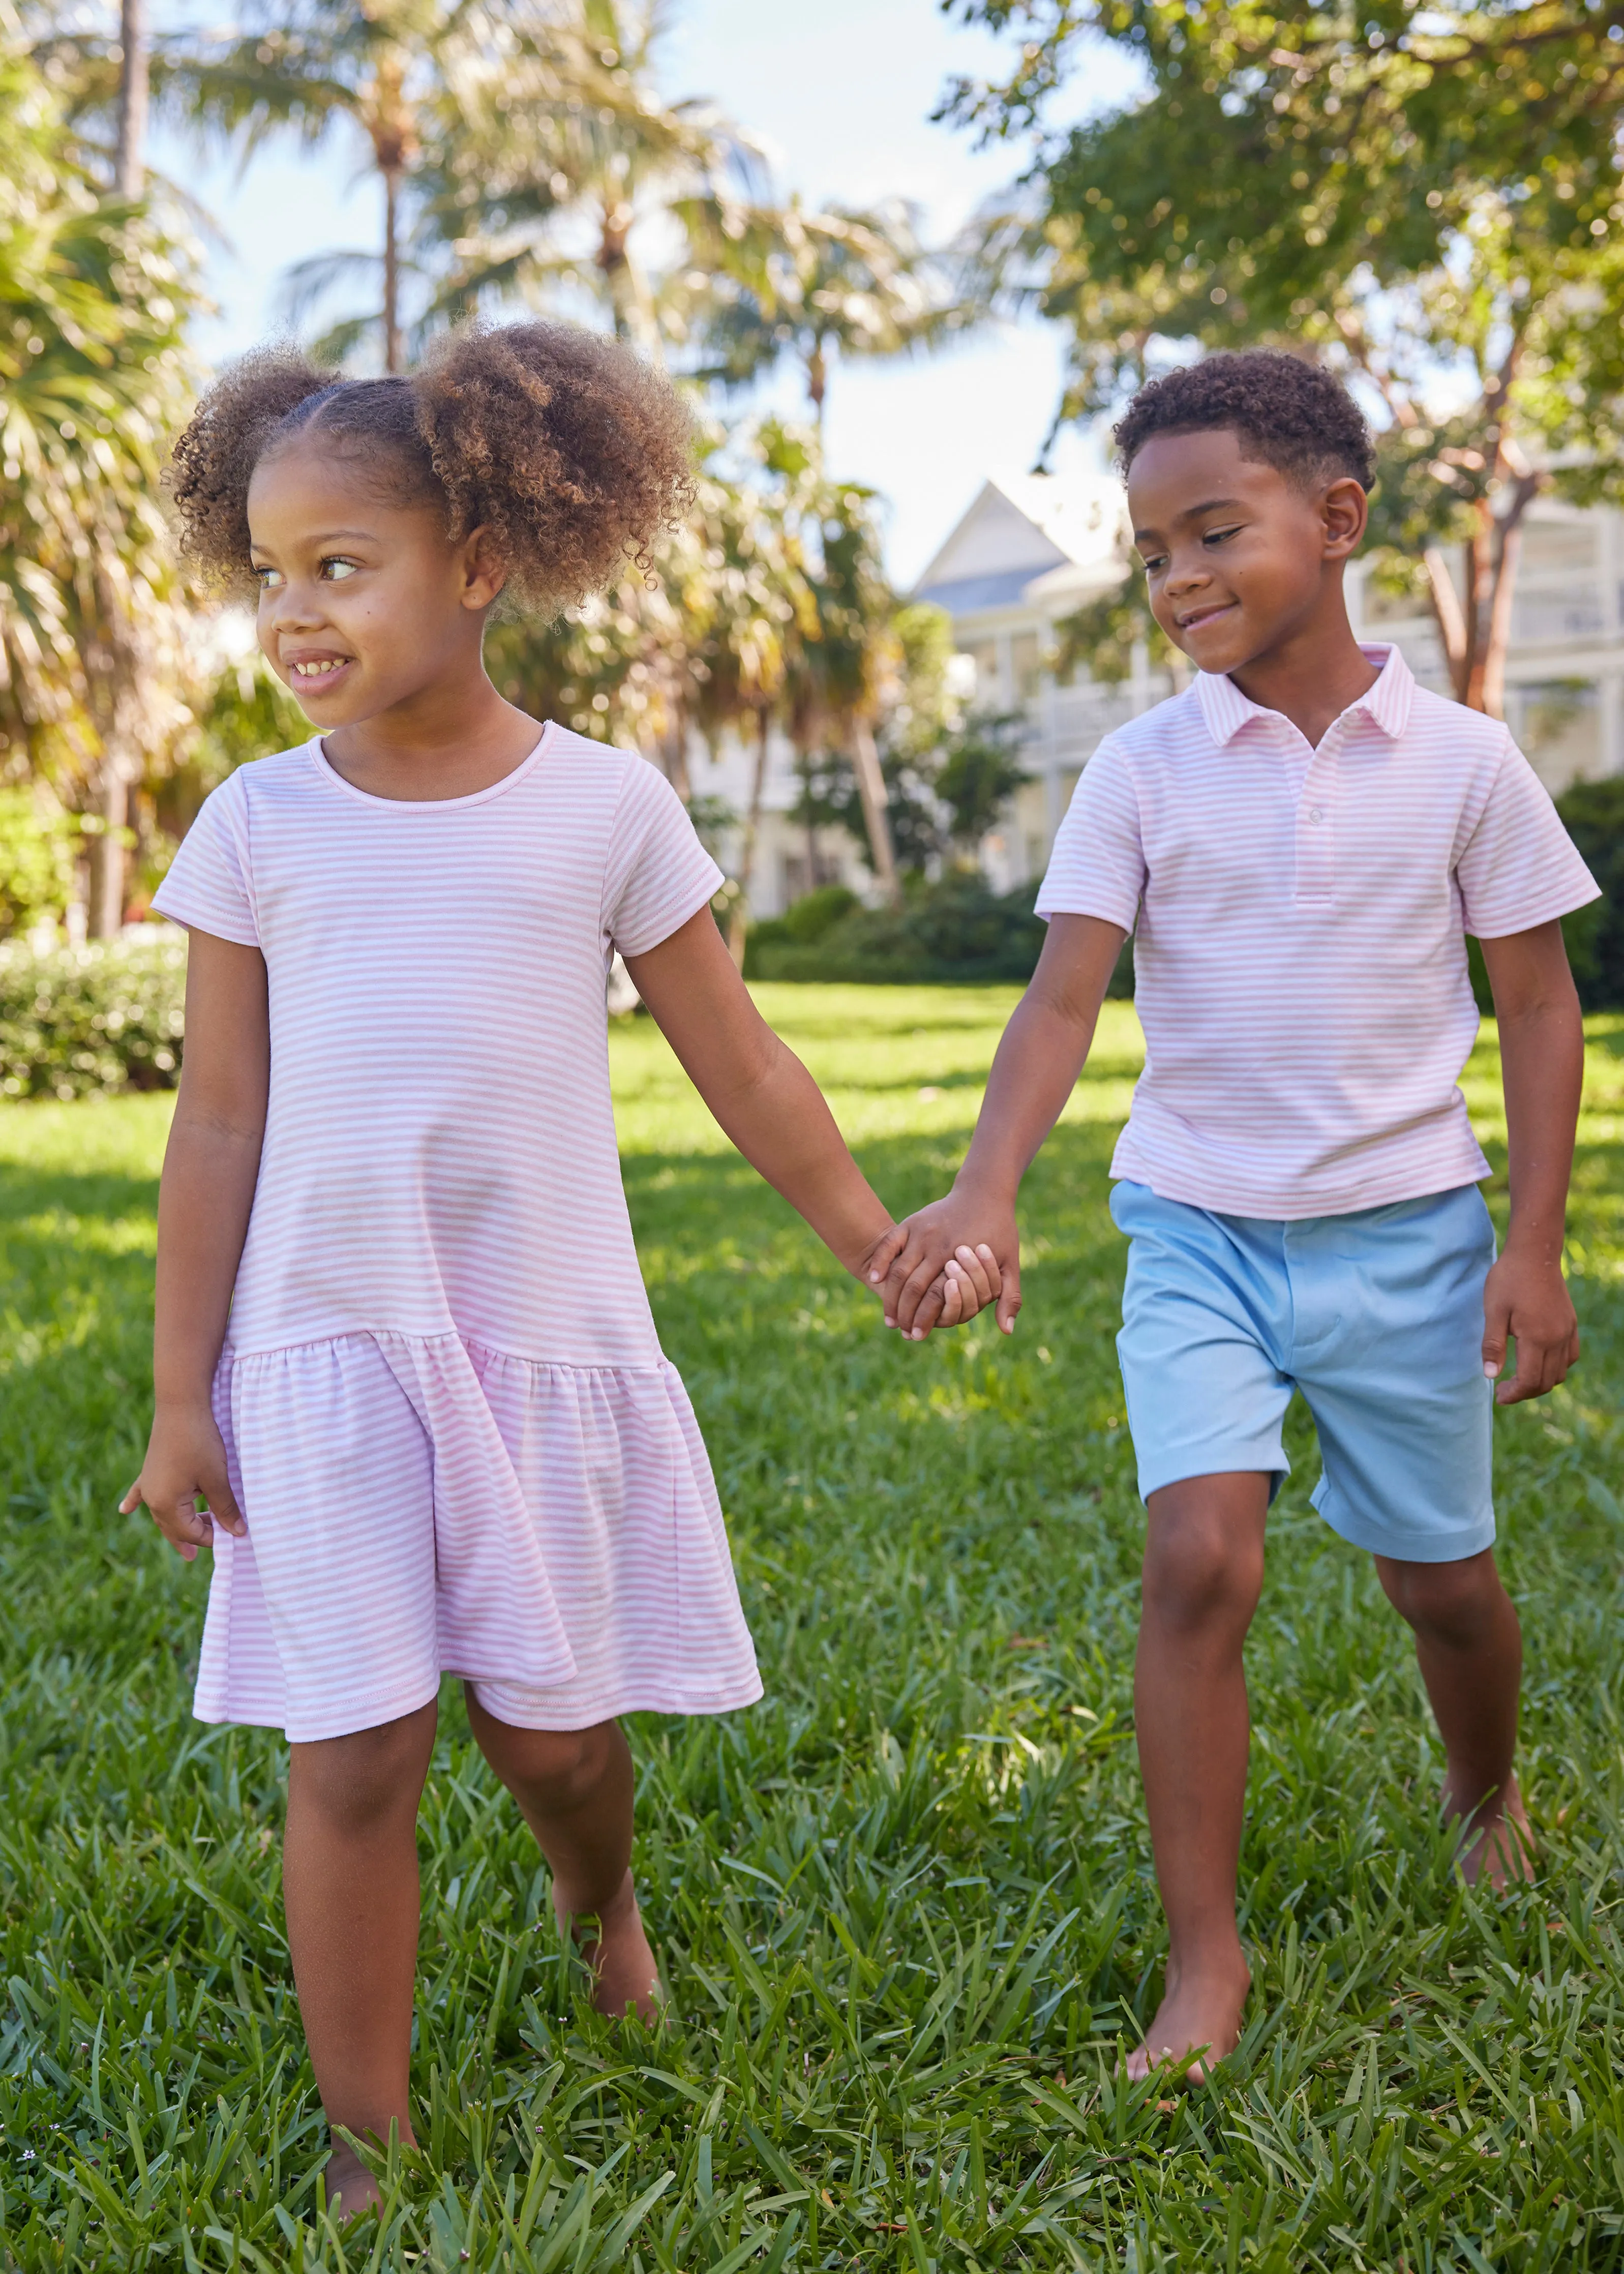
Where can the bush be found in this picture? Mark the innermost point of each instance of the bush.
(37, 848)
(954, 929)
(87, 1022)
(1593, 814)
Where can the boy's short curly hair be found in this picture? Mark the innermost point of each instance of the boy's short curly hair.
(1289, 413)
(571, 452)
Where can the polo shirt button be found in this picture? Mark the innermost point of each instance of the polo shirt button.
(1315, 814)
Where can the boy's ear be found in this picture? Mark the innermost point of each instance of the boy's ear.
(483, 574)
(1345, 510)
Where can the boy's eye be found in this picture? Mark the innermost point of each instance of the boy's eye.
(268, 578)
(1220, 536)
(335, 567)
(1153, 561)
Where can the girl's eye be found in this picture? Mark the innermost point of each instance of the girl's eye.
(1220, 535)
(268, 578)
(1157, 560)
(335, 567)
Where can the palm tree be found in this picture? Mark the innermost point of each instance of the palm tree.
(561, 159)
(789, 282)
(92, 305)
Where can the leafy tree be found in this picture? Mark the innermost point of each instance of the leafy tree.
(1420, 196)
(93, 301)
(558, 163)
(404, 75)
(981, 770)
(786, 282)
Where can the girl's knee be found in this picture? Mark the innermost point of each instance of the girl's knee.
(356, 1782)
(551, 1770)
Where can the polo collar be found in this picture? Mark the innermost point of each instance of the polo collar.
(1386, 703)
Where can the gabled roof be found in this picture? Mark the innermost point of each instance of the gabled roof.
(1023, 527)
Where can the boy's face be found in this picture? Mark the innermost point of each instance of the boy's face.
(363, 605)
(1238, 556)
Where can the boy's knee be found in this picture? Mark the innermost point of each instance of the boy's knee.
(357, 1782)
(1454, 1603)
(1201, 1567)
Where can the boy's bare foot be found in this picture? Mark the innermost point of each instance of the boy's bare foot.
(626, 1977)
(1499, 1847)
(351, 2188)
(1200, 2016)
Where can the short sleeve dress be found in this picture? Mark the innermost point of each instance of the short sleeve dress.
(457, 1445)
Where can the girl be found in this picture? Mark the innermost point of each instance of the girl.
(403, 1350)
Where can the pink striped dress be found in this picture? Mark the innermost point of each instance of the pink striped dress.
(457, 1445)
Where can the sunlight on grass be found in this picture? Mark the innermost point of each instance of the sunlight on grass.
(905, 1905)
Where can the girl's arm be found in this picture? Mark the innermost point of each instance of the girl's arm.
(1542, 1065)
(209, 1172)
(1038, 1061)
(757, 1089)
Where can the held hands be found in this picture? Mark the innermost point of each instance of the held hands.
(940, 1267)
(187, 1459)
(1526, 1296)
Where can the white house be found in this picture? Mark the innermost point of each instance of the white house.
(1029, 550)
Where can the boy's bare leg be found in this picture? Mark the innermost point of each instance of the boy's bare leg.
(1203, 1574)
(573, 1789)
(350, 1886)
(1469, 1649)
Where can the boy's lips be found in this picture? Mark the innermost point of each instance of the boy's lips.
(1199, 618)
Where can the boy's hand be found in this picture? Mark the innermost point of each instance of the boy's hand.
(1526, 1296)
(942, 1265)
(185, 1458)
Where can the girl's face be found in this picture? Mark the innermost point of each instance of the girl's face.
(364, 606)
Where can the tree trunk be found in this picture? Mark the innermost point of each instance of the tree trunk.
(105, 915)
(876, 799)
(738, 929)
(134, 43)
(392, 354)
(1448, 614)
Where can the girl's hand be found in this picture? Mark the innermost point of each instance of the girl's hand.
(946, 1263)
(186, 1458)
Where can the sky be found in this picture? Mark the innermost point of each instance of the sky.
(838, 93)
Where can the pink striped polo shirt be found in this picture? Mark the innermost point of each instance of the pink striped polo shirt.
(1299, 948)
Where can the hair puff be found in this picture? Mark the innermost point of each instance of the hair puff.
(569, 451)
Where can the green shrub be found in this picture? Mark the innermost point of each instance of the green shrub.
(1593, 814)
(87, 1022)
(957, 929)
(37, 848)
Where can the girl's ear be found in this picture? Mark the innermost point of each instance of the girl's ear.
(484, 576)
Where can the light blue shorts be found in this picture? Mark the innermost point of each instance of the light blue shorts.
(1376, 1317)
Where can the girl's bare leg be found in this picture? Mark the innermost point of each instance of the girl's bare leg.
(350, 1884)
(1470, 1648)
(573, 1789)
(1203, 1574)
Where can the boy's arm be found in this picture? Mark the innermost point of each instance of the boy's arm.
(209, 1172)
(1035, 1070)
(1542, 1065)
(757, 1089)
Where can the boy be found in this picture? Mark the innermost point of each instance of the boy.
(1305, 836)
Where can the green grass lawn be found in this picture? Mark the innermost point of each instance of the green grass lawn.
(905, 1905)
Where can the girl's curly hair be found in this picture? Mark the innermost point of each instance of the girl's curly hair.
(559, 441)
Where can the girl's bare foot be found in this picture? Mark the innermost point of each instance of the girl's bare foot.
(625, 1976)
(1500, 1847)
(351, 2188)
(1200, 2015)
